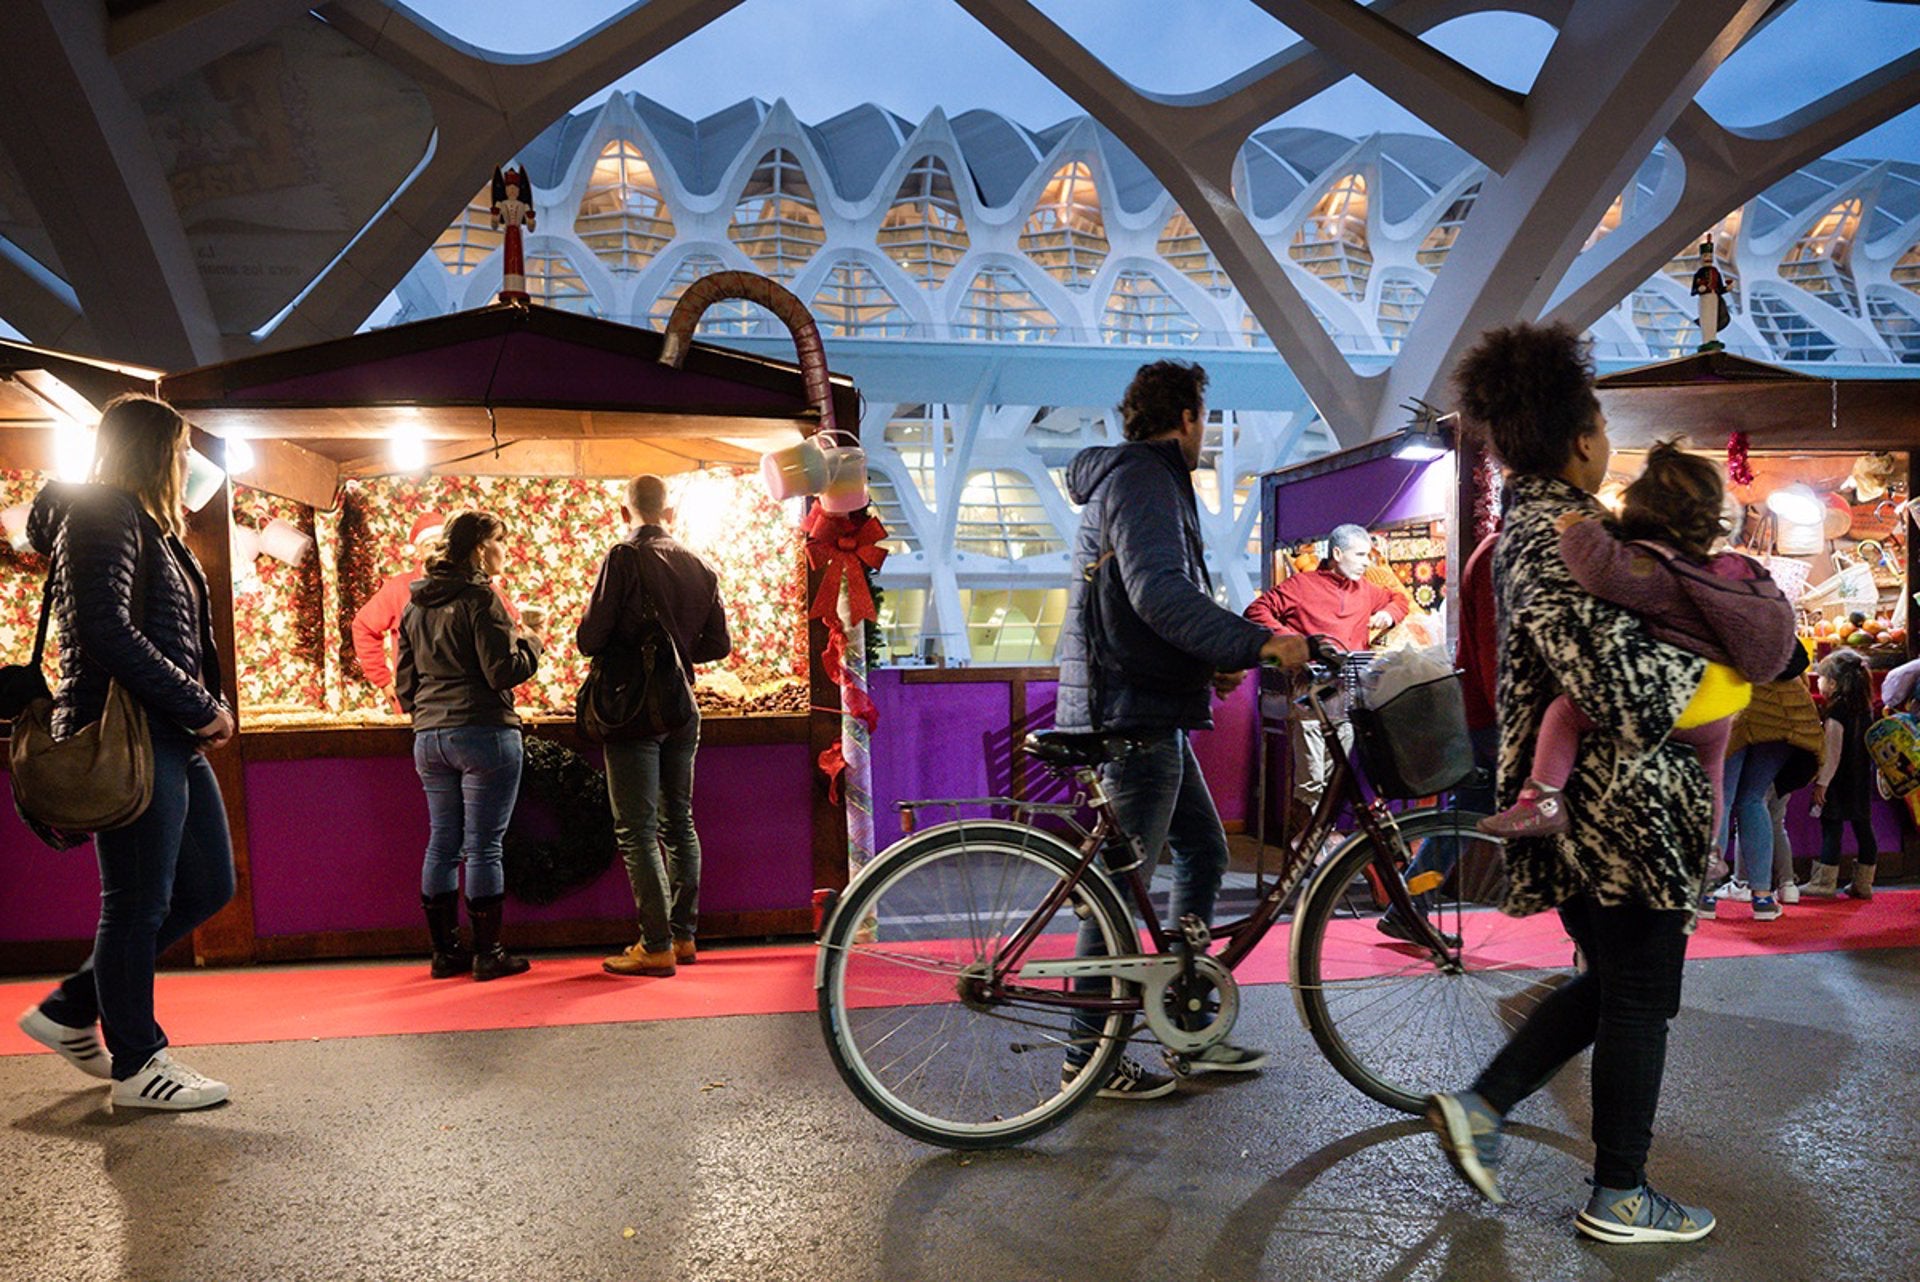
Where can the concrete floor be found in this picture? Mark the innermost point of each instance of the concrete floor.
(728, 1149)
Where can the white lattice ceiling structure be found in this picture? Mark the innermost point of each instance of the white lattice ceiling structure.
(137, 221)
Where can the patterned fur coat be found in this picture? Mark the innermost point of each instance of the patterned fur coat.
(1639, 803)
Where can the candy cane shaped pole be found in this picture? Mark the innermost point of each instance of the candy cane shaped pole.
(855, 745)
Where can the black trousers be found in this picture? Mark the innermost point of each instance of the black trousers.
(1620, 1006)
(1834, 821)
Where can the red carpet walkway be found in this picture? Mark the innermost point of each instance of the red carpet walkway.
(302, 1003)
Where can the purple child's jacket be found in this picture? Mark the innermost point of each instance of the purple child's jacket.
(1728, 610)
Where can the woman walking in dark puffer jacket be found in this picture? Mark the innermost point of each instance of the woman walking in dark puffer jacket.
(460, 658)
(132, 605)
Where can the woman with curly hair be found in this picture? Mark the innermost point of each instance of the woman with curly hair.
(1627, 873)
(1657, 559)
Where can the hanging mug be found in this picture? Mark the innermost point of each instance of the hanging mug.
(846, 487)
(794, 471)
(284, 541)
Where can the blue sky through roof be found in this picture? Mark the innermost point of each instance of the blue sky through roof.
(909, 56)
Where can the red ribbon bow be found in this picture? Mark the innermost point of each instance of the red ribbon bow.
(843, 549)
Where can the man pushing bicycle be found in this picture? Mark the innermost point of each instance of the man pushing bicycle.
(1142, 650)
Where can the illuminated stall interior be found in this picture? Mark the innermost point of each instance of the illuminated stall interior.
(1832, 472)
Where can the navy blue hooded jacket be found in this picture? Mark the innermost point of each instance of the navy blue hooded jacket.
(167, 660)
(1143, 635)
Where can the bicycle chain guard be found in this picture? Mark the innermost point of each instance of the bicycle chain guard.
(1173, 990)
(1177, 1002)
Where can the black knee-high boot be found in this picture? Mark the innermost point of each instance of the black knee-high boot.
(490, 959)
(450, 956)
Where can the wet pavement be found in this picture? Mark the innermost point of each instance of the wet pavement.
(728, 1149)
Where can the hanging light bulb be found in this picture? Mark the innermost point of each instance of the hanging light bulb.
(407, 445)
(72, 451)
(1797, 503)
(240, 456)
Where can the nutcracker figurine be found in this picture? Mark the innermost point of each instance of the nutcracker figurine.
(1710, 287)
(512, 211)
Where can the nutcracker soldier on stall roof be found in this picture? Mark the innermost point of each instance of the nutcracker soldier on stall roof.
(511, 211)
(1710, 288)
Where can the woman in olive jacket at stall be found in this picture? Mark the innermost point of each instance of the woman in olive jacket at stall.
(132, 606)
(460, 659)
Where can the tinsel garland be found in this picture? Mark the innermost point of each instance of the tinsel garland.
(1739, 470)
(565, 785)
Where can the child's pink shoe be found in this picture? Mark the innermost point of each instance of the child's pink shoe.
(1540, 812)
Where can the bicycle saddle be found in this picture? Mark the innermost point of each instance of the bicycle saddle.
(1060, 749)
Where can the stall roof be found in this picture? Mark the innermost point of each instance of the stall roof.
(35, 383)
(1703, 399)
(507, 375)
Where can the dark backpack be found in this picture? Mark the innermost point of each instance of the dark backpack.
(637, 687)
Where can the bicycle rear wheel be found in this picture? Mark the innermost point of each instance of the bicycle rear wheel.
(910, 1023)
(1397, 1019)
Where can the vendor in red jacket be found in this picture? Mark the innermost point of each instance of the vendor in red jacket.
(1335, 600)
(379, 619)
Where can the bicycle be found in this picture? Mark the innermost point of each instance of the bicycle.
(949, 989)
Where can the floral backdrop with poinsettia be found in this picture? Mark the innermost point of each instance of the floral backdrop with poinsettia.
(292, 623)
(278, 613)
(22, 572)
(558, 530)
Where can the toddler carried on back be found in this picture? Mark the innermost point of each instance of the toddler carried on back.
(1657, 560)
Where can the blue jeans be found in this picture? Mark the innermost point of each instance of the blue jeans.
(1750, 775)
(160, 876)
(650, 783)
(1162, 799)
(472, 778)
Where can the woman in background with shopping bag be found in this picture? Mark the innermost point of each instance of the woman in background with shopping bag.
(133, 610)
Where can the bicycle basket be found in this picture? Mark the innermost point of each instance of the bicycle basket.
(1415, 744)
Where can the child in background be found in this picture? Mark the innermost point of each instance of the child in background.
(1657, 560)
(1843, 791)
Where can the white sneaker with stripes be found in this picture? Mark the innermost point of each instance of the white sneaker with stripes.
(167, 1083)
(80, 1047)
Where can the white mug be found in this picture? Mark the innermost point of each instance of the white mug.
(846, 487)
(284, 542)
(794, 470)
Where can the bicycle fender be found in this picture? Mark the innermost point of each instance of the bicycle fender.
(907, 847)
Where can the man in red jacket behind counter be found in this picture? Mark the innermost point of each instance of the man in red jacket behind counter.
(379, 619)
(1334, 601)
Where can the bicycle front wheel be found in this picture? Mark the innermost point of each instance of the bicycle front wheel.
(907, 999)
(1401, 1020)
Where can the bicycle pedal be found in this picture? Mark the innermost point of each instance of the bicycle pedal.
(1195, 933)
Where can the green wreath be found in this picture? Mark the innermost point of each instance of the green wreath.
(540, 871)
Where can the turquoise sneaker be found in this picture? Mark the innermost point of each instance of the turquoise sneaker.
(1469, 1134)
(1641, 1215)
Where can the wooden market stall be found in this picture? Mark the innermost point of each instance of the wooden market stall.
(1845, 450)
(1403, 489)
(537, 413)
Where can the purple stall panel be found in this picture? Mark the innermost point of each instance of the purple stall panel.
(1379, 492)
(1226, 751)
(313, 873)
(935, 740)
(1803, 829)
(952, 739)
(44, 893)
